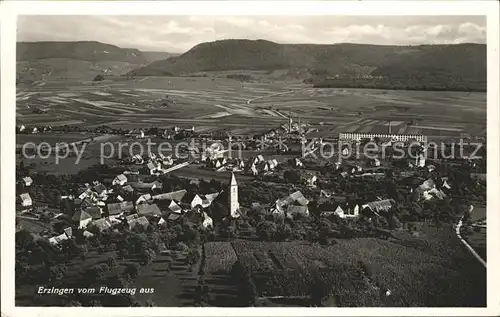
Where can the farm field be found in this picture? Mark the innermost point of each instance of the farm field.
(215, 104)
(172, 287)
(401, 265)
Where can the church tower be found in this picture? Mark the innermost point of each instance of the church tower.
(233, 197)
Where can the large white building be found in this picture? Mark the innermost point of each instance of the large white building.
(357, 136)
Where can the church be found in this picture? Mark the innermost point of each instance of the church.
(234, 205)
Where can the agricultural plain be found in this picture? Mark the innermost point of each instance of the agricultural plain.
(221, 104)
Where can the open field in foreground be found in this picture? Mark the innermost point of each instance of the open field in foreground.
(224, 104)
(430, 268)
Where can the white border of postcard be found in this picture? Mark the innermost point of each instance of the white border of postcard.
(11, 9)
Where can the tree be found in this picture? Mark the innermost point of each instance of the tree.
(284, 232)
(150, 303)
(111, 262)
(98, 77)
(291, 176)
(132, 270)
(192, 257)
(266, 230)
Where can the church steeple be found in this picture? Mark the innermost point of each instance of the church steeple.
(233, 197)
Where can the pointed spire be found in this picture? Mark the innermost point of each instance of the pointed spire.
(233, 180)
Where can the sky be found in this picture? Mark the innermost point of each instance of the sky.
(177, 34)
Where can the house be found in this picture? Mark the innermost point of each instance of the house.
(192, 200)
(27, 181)
(296, 209)
(253, 170)
(69, 232)
(420, 161)
(119, 180)
(296, 199)
(446, 185)
(26, 200)
(88, 234)
(207, 221)
(379, 206)
(86, 192)
(339, 212)
(140, 186)
(153, 168)
(434, 193)
(127, 189)
(297, 162)
(173, 206)
(138, 221)
(175, 196)
(148, 210)
(94, 211)
(102, 224)
(131, 217)
(58, 239)
(101, 190)
(137, 159)
(311, 180)
(174, 217)
(143, 199)
(117, 209)
(82, 218)
(161, 221)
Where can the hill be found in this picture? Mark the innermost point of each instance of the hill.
(411, 65)
(36, 60)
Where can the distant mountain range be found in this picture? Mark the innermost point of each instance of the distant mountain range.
(36, 60)
(462, 64)
(455, 67)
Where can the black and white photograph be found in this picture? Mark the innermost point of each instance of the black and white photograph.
(250, 160)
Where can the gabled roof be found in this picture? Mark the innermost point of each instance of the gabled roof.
(294, 197)
(212, 196)
(94, 212)
(27, 179)
(177, 195)
(380, 205)
(427, 185)
(68, 231)
(58, 239)
(297, 209)
(174, 207)
(81, 215)
(25, 197)
(141, 220)
(87, 234)
(100, 188)
(102, 224)
(189, 197)
(121, 178)
(128, 188)
(132, 217)
(118, 208)
(174, 216)
(148, 210)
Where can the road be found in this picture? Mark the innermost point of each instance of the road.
(467, 245)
